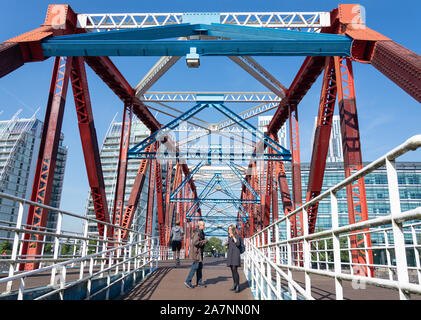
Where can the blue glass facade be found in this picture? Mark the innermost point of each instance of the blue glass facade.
(409, 178)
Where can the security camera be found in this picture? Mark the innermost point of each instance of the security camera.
(192, 59)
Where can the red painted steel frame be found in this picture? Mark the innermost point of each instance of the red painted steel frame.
(356, 196)
(321, 139)
(133, 200)
(160, 204)
(44, 174)
(296, 222)
(89, 143)
(118, 208)
(151, 193)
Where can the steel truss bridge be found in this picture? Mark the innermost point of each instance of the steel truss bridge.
(239, 180)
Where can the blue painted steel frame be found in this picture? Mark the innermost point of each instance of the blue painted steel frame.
(244, 181)
(208, 156)
(159, 134)
(187, 179)
(253, 41)
(253, 130)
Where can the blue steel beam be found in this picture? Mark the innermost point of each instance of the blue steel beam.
(187, 179)
(200, 200)
(239, 206)
(244, 181)
(195, 206)
(160, 134)
(213, 29)
(208, 157)
(159, 48)
(252, 129)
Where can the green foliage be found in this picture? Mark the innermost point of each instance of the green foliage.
(6, 246)
(92, 246)
(215, 242)
(48, 248)
(66, 248)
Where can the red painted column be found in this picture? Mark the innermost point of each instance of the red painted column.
(89, 142)
(160, 203)
(44, 172)
(296, 223)
(133, 200)
(151, 193)
(118, 208)
(356, 196)
(321, 139)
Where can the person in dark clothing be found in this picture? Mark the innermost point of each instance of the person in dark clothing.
(176, 238)
(196, 250)
(233, 256)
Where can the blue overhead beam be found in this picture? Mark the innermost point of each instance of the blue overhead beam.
(326, 47)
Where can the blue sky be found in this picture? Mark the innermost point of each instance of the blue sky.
(387, 115)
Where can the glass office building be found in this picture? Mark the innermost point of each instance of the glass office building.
(409, 177)
(109, 159)
(19, 147)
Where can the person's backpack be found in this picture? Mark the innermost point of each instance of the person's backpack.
(242, 246)
(176, 234)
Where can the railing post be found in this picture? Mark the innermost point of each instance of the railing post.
(306, 253)
(398, 235)
(289, 257)
(104, 248)
(268, 268)
(21, 288)
(84, 249)
(336, 246)
(15, 247)
(56, 246)
(417, 254)
(62, 282)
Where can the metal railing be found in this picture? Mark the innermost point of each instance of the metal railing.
(94, 256)
(273, 257)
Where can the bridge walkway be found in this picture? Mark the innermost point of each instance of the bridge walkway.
(167, 283)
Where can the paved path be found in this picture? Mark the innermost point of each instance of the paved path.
(167, 283)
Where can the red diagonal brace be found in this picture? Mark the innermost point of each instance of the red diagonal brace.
(357, 209)
(89, 143)
(321, 139)
(118, 208)
(44, 174)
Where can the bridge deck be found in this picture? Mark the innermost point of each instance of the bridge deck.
(167, 283)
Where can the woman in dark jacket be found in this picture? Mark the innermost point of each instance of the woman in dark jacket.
(233, 256)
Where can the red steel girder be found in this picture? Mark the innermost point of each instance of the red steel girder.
(170, 205)
(15, 52)
(160, 203)
(133, 200)
(356, 196)
(151, 193)
(118, 208)
(44, 174)
(89, 143)
(108, 72)
(400, 65)
(321, 139)
(296, 221)
(167, 200)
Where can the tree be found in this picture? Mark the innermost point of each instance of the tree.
(66, 248)
(6, 247)
(214, 242)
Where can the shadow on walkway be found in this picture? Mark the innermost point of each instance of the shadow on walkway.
(167, 283)
(145, 289)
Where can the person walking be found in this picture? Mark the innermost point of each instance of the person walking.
(233, 256)
(196, 250)
(177, 234)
